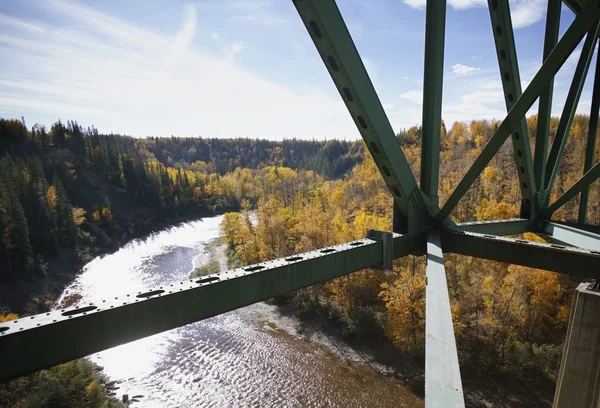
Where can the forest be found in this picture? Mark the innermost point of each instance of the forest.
(509, 320)
(71, 192)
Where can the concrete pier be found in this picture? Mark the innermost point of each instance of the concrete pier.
(578, 383)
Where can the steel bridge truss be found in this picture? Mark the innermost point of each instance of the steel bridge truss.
(421, 227)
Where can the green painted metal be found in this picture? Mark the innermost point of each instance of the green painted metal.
(504, 227)
(545, 103)
(41, 341)
(579, 27)
(443, 385)
(590, 148)
(511, 84)
(435, 29)
(571, 235)
(584, 182)
(564, 125)
(552, 257)
(335, 46)
(575, 5)
(583, 227)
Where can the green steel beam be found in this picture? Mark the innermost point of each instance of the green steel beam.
(504, 227)
(579, 27)
(584, 182)
(566, 118)
(443, 386)
(335, 46)
(571, 235)
(574, 5)
(511, 84)
(583, 227)
(545, 103)
(590, 149)
(552, 257)
(435, 29)
(44, 340)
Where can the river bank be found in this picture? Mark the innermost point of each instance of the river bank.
(40, 294)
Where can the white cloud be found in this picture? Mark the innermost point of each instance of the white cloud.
(413, 96)
(464, 4)
(416, 3)
(523, 12)
(491, 85)
(388, 106)
(19, 24)
(101, 70)
(526, 12)
(214, 35)
(462, 69)
(231, 50)
(183, 39)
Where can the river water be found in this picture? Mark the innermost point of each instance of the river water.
(249, 357)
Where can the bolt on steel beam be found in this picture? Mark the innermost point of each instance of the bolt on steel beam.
(435, 29)
(330, 35)
(579, 27)
(545, 102)
(590, 148)
(552, 257)
(443, 385)
(36, 342)
(511, 84)
(564, 125)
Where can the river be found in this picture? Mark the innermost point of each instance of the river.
(253, 356)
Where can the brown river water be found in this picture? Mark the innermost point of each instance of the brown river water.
(250, 357)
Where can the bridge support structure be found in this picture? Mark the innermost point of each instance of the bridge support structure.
(578, 382)
(420, 226)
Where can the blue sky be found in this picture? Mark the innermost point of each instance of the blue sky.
(247, 68)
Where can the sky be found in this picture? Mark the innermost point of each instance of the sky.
(248, 68)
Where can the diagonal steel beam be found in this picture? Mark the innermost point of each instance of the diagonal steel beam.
(335, 46)
(511, 84)
(545, 103)
(552, 257)
(579, 27)
(590, 148)
(43, 340)
(584, 182)
(574, 5)
(571, 235)
(443, 386)
(435, 28)
(564, 125)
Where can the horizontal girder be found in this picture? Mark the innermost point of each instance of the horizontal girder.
(44, 340)
(498, 227)
(571, 235)
(551, 257)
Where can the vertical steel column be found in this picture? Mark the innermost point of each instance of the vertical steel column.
(545, 104)
(443, 386)
(564, 126)
(590, 149)
(435, 29)
(511, 84)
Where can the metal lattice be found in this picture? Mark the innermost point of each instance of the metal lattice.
(421, 227)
